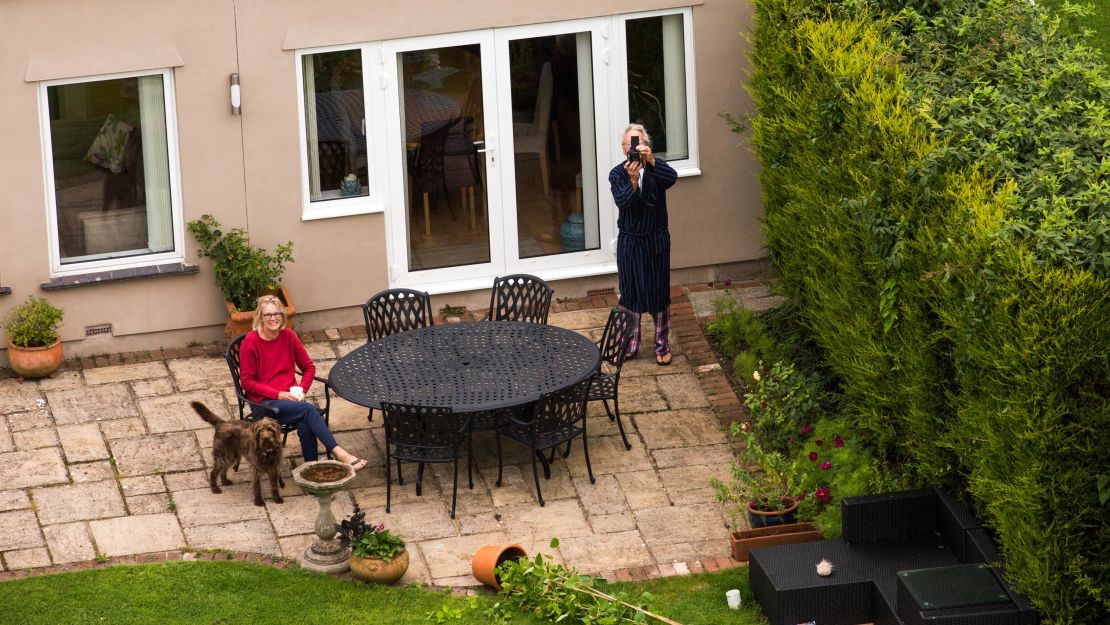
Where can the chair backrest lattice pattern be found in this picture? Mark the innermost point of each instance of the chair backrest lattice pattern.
(520, 297)
(423, 428)
(618, 332)
(232, 358)
(396, 310)
(561, 409)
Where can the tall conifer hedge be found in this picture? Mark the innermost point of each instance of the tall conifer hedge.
(936, 179)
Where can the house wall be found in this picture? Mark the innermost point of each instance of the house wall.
(245, 170)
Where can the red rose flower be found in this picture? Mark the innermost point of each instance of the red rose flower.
(838, 442)
(813, 456)
(826, 465)
(822, 494)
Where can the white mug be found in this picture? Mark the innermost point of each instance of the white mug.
(297, 392)
(733, 598)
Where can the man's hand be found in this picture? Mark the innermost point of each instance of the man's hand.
(632, 168)
(646, 155)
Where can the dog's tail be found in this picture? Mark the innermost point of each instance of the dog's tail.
(205, 413)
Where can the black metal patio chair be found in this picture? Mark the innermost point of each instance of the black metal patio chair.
(618, 332)
(393, 311)
(425, 435)
(519, 297)
(396, 310)
(557, 418)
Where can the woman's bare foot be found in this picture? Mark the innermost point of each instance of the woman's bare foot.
(343, 455)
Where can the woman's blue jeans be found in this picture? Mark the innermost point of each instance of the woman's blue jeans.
(310, 425)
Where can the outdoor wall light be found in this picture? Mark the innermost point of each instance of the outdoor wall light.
(235, 99)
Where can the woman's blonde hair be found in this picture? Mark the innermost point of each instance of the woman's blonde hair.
(262, 301)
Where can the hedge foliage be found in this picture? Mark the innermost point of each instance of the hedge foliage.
(936, 181)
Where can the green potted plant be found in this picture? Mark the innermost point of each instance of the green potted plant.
(377, 555)
(34, 348)
(243, 272)
(763, 486)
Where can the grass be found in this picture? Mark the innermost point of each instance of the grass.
(1098, 22)
(234, 593)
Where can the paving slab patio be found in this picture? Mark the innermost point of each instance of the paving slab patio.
(111, 460)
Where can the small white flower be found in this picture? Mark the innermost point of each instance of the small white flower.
(825, 568)
(756, 376)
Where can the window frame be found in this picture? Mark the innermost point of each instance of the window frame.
(373, 105)
(175, 255)
(688, 166)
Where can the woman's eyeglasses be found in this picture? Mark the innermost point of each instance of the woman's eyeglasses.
(276, 315)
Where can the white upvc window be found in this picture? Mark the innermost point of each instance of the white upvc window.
(111, 171)
(658, 81)
(339, 119)
(488, 150)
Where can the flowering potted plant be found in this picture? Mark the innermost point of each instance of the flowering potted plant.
(377, 555)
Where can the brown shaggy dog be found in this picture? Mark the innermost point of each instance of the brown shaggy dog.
(259, 442)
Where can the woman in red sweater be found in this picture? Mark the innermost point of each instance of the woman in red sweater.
(266, 370)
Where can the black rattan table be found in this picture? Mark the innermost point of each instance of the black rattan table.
(468, 367)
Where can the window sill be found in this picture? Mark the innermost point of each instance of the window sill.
(342, 208)
(119, 275)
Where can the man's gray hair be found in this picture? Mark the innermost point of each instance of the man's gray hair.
(641, 129)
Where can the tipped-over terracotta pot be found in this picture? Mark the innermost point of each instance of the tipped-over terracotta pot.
(487, 559)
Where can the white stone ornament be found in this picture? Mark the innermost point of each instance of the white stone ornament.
(825, 568)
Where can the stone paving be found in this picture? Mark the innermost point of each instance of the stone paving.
(110, 460)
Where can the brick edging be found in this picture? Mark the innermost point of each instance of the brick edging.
(711, 377)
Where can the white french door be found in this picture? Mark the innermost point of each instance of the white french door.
(498, 149)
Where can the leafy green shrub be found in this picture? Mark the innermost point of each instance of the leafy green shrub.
(740, 335)
(242, 270)
(33, 323)
(782, 402)
(938, 208)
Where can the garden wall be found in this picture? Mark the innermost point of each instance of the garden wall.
(937, 194)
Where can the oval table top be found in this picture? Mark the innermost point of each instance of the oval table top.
(468, 367)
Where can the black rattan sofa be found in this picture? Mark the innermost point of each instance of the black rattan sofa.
(906, 558)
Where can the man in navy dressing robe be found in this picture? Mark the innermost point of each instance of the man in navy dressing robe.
(643, 242)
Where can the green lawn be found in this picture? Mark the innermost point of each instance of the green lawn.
(231, 593)
(1098, 22)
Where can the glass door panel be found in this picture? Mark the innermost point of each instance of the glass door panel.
(443, 130)
(555, 163)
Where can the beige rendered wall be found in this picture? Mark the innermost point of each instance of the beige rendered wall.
(73, 38)
(245, 170)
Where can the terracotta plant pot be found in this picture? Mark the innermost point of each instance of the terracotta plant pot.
(240, 322)
(378, 571)
(488, 558)
(746, 540)
(34, 362)
(767, 518)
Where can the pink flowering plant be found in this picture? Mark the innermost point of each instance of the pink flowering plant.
(367, 539)
(830, 466)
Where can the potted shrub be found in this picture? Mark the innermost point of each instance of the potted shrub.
(377, 555)
(34, 348)
(243, 272)
(762, 486)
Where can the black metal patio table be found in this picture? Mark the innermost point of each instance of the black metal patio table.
(468, 367)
